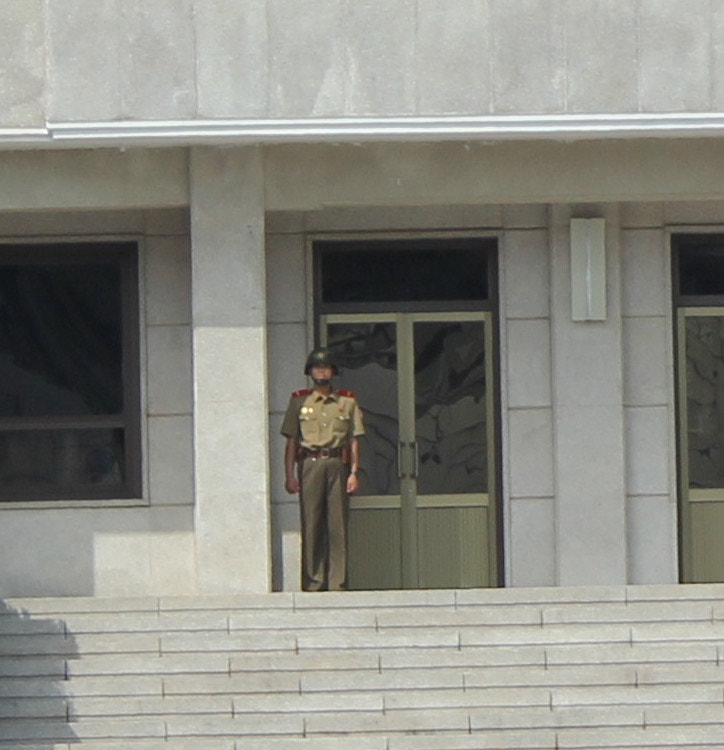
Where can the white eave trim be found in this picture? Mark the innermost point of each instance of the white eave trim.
(364, 129)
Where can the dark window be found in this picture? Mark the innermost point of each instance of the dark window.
(69, 403)
(402, 274)
(699, 267)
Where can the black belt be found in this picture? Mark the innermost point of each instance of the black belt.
(320, 452)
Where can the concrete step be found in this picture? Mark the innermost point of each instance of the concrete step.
(191, 637)
(538, 668)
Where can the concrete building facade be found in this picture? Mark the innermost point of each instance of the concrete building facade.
(227, 142)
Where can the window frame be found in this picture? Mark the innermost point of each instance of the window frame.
(680, 242)
(123, 253)
(486, 244)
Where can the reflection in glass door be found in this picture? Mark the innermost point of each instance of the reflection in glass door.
(424, 516)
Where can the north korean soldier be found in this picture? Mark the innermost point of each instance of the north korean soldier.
(321, 462)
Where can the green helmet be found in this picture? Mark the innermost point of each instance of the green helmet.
(320, 357)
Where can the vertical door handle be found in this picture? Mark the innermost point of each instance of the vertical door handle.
(416, 454)
(400, 446)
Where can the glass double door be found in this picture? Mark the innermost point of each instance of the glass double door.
(700, 348)
(425, 515)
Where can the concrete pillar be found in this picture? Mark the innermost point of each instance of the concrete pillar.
(525, 304)
(588, 418)
(229, 350)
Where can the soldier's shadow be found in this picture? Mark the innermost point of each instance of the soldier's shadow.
(34, 654)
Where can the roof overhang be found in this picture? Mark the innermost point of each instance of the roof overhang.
(227, 132)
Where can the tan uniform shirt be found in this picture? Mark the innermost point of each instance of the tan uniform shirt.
(320, 422)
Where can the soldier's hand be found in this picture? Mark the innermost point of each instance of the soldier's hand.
(352, 483)
(292, 485)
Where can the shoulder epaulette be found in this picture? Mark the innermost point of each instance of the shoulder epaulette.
(348, 394)
(301, 392)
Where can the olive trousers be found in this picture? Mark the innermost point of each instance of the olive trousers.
(324, 504)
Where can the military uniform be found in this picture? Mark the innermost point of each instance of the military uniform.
(323, 426)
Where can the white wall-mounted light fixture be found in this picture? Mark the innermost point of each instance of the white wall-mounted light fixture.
(588, 269)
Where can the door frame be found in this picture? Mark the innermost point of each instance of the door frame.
(491, 309)
(689, 303)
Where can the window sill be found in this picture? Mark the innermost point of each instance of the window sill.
(94, 504)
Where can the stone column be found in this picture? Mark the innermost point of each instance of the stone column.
(588, 418)
(530, 525)
(229, 352)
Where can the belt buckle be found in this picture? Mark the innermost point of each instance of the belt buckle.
(324, 452)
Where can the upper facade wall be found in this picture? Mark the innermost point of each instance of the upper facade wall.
(105, 60)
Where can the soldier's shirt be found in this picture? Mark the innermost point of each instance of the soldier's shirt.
(323, 422)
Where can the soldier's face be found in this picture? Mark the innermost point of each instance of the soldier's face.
(321, 374)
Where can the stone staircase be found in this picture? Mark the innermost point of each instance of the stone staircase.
(565, 668)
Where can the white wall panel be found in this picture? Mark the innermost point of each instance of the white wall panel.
(113, 59)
